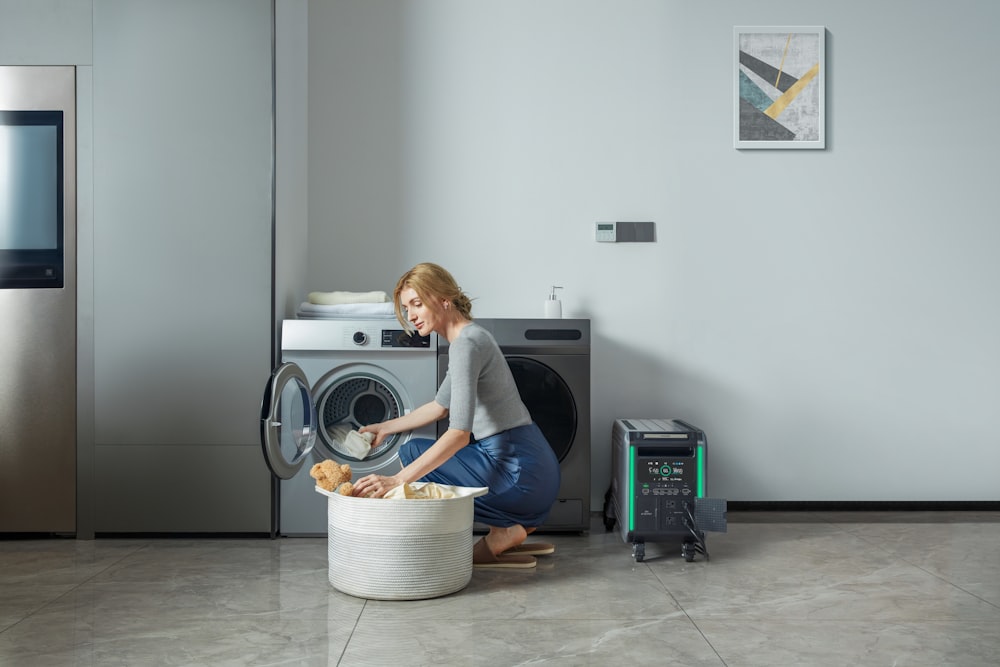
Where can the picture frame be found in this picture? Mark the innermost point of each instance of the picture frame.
(779, 83)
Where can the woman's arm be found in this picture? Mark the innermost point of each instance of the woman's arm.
(427, 413)
(442, 450)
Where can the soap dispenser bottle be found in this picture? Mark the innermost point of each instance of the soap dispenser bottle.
(553, 306)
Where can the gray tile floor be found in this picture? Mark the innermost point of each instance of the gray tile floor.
(780, 589)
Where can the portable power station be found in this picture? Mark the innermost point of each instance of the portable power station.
(657, 489)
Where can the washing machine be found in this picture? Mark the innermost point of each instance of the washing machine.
(338, 375)
(550, 361)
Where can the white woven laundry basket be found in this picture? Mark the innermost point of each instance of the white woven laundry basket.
(400, 549)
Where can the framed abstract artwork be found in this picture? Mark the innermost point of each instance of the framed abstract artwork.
(779, 81)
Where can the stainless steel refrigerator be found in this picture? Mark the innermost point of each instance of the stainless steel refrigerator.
(38, 375)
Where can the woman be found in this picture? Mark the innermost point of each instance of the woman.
(478, 395)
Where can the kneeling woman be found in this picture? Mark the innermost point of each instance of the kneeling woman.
(478, 395)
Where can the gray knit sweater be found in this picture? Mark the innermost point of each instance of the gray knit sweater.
(478, 389)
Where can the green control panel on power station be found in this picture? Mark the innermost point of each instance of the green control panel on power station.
(664, 476)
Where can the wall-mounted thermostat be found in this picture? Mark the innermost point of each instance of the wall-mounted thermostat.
(620, 232)
(606, 232)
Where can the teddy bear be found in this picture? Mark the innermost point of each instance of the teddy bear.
(330, 476)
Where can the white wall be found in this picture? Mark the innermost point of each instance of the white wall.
(45, 32)
(827, 317)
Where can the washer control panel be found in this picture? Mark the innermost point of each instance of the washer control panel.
(403, 338)
(333, 335)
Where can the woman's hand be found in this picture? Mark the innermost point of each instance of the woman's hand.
(375, 486)
(380, 431)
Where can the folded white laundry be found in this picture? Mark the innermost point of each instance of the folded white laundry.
(338, 298)
(346, 311)
(420, 491)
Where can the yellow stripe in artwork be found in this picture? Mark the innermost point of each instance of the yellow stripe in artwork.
(782, 65)
(779, 104)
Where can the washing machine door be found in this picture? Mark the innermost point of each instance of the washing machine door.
(353, 395)
(549, 400)
(287, 421)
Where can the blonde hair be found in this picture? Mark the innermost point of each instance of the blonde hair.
(432, 283)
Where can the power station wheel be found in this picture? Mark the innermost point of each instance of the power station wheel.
(688, 550)
(639, 551)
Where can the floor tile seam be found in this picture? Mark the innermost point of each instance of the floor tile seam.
(666, 589)
(29, 614)
(137, 550)
(951, 583)
(71, 588)
(697, 628)
(79, 585)
(763, 621)
(696, 622)
(641, 618)
(843, 617)
(875, 543)
(848, 527)
(918, 566)
(350, 635)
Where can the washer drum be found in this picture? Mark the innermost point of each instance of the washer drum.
(400, 549)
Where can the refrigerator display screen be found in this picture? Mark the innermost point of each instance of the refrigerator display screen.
(31, 199)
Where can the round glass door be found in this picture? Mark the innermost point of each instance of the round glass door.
(287, 421)
(549, 400)
(355, 400)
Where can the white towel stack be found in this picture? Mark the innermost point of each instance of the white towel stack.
(341, 298)
(346, 306)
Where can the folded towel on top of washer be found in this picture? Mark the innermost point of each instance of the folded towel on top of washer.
(340, 298)
(346, 311)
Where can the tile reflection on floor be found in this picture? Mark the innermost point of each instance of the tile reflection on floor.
(780, 589)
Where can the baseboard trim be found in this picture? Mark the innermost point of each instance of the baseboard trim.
(864, 506)
(183, 535)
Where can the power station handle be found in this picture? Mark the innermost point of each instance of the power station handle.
(664, 450)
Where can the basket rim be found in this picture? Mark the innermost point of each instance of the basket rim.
(461, 492)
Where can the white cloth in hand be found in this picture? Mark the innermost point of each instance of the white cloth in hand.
(350, 442)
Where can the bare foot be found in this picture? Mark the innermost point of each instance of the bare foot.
(502, 539)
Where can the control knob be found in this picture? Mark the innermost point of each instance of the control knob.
(360, 337)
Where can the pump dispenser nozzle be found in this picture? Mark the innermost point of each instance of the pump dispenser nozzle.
(553, 306)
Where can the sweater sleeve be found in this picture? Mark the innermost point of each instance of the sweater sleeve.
(478, 389)
(458, 392)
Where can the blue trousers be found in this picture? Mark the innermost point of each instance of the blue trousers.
(518, 466)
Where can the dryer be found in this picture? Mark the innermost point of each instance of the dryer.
(550, 361)
(338, 374)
